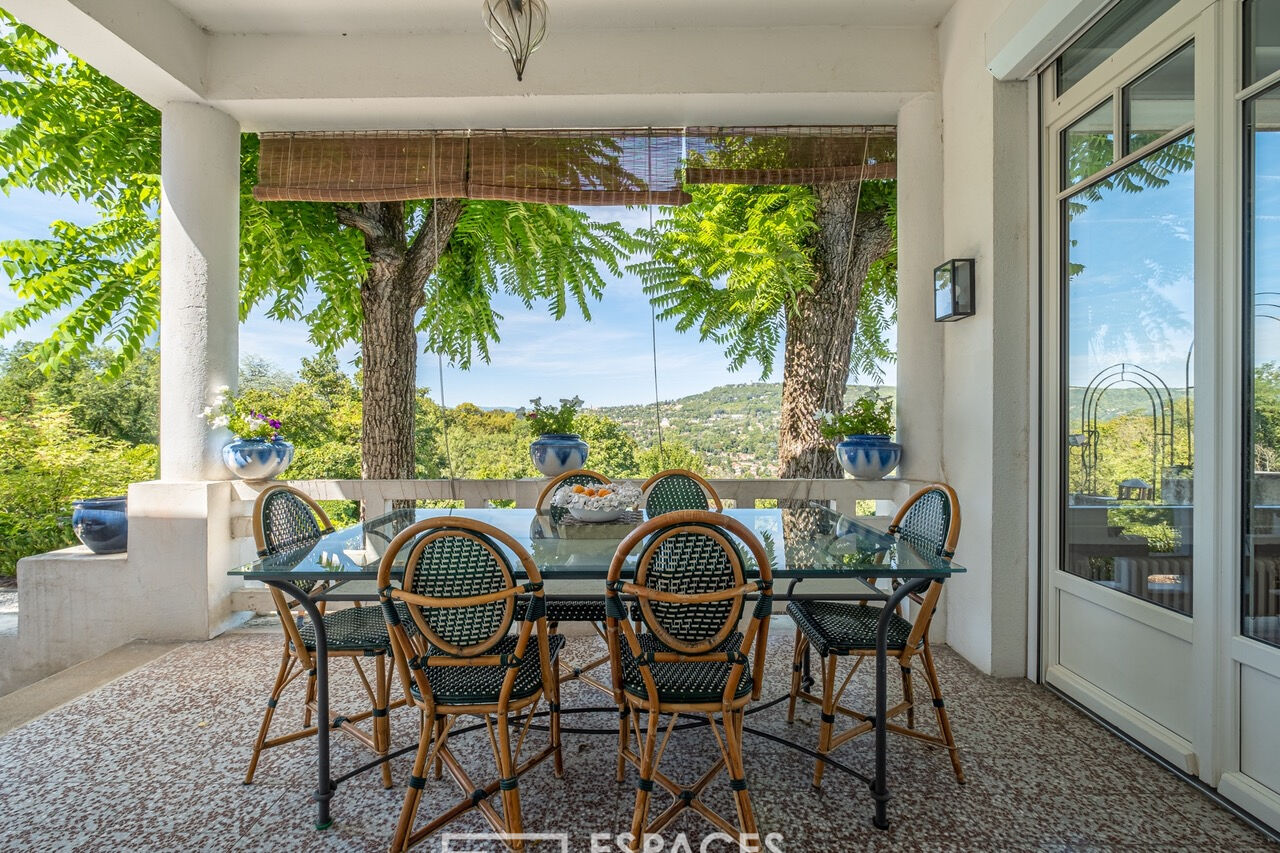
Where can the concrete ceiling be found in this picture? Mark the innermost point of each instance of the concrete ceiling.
(335, 17)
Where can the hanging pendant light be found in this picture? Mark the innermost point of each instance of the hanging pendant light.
(517, 26)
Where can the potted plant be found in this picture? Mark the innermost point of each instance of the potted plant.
(863, 447)
(557, 447)
(102, 524)
(258, 450)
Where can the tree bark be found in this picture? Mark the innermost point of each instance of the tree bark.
(820, 329)
(391, 295)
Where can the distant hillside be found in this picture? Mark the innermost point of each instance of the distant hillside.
(733, 427)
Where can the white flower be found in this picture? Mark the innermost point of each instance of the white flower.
(221, 421)
(222, 389)
(208, 411)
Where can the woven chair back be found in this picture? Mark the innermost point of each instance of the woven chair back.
(581, 477)
(688, 560)
(450, 563)
(675, 490)
(287, 520)
(930, 521)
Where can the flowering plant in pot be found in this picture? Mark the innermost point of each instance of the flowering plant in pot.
(258, 450)
(864, 449)
(557, 448)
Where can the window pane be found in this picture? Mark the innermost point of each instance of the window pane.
(1129, 404)
(1088, 145)
(1261, 574)
(1160, 100)
(1262, 39)
(1112, 31)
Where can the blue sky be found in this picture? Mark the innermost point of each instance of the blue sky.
(608, 361)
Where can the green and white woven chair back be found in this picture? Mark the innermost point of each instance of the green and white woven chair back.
(288, 524)
(927, 522)
(557, 513)
(460, 564)
(690, 559)
(675, 492)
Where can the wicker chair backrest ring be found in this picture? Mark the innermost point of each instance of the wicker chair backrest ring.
(284, 520)
(580, 477)
(690, 560)
(677, 489)
(930, 520)
(460, 564)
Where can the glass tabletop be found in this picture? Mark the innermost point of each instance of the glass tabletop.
(808, 542)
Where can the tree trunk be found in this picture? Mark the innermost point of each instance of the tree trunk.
(390, 297)
(821, 326)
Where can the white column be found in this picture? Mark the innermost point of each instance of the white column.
(920, 363)
(199, 283)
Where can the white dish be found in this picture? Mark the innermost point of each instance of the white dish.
(583, 514)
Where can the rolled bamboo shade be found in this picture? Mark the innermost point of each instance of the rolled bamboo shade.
(577, 167)
(790, 155)
(355, 167)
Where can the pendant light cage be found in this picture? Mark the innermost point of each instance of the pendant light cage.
(518, 27)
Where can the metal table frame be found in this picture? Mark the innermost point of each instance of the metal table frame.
(326, 784)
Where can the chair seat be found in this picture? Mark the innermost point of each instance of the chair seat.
(481, 685)
(355, 629)
(699, 681)
(842, 628)
(575, 609)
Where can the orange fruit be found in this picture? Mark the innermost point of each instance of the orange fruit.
(591, 493)
(577, 490)
(602, 492)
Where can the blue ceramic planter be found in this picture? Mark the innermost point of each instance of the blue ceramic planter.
(868, 457)
(553, 453)
(102, 524)
(257, 458)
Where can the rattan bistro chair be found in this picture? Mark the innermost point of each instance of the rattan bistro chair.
(284, 519)
(930, 522)
(691, 587)
(676, 489)
(462, 596)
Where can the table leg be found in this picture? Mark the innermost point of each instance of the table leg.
(324, 785)
(879, 787)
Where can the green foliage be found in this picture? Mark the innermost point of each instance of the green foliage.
(243, 420)
(868, 415)
(674, 454)
(613, 451)
(46, 462)
(544, 420)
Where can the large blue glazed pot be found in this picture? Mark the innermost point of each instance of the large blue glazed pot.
(553, 453)
(868, 457)
(257, 458)
(102, 524)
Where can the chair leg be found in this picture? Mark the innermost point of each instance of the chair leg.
(440, 733)
(413, 794)
(382, 714)
(737, 772)
(554, 715)
(624, 740)
(276, 689)
(801, 643)
(309, 698)
(828, 714)
(908, 696)
(647, 770)
(944, 720)
(510, 783)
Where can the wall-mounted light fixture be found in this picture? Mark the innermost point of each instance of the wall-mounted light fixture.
(953, 290)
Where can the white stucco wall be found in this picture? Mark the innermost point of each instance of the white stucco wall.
(984, 435)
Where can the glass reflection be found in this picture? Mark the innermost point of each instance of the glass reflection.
(1129, 405)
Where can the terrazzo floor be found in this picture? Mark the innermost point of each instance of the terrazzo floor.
(154, 761)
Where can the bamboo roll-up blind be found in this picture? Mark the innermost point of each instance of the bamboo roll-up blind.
(579, 167)
(790, 155)
(355, 167)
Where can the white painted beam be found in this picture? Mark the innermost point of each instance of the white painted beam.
(1030, 32)
(145, 45)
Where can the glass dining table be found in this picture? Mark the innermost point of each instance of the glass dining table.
(804, 543)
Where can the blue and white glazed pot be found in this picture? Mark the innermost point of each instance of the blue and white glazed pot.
(102, 524)
(257, 458)
(868, 457)
(553, 453)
